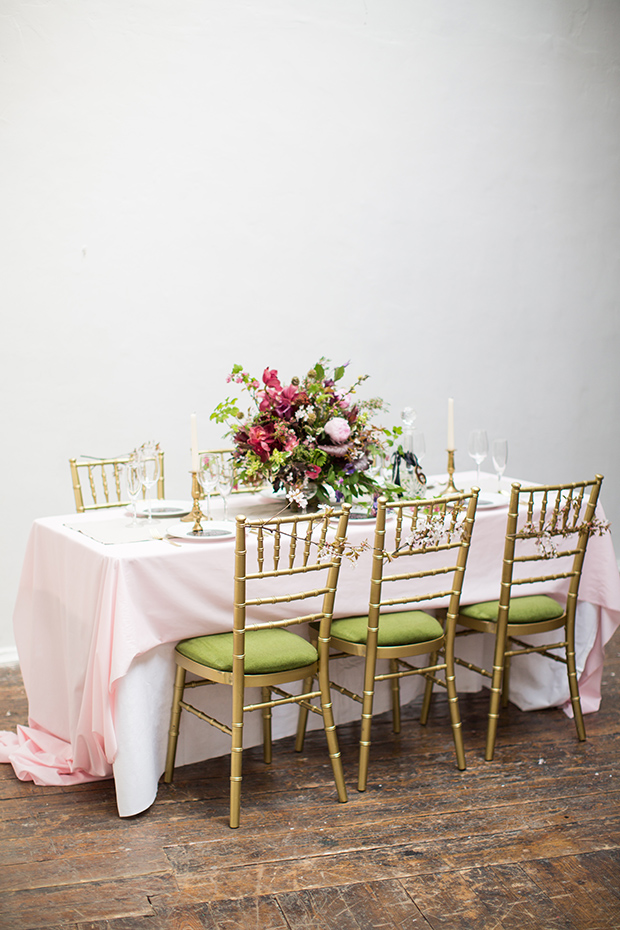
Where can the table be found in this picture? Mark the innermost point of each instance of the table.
(96, 624)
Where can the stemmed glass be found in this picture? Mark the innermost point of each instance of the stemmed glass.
(499, 452)
(225, 483)
(133, 483)
(150, 471)
(408, 418)
(208, 478)
(478, 448)
(377, 466)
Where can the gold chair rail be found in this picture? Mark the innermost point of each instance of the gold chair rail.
(97, 483)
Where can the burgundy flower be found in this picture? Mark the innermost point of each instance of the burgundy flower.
(261, 441)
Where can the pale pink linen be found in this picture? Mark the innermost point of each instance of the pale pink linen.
(86, 611)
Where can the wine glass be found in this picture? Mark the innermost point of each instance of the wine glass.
(208, 477)
(408, 417)
(225, 482)
(133, 484)
(478, 448)
(376, 467)
(150, 471)
(499, 451)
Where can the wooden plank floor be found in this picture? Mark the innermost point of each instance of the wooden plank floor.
(531, 840)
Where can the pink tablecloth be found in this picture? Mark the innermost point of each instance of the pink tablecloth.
(95, 626)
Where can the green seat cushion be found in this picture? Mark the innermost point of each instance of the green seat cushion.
(265, 651)
(529, 609)
(399, 629)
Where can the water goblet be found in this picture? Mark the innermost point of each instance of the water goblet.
(408, 417)
(208, 476)
(150, 472)
(133, 483)
(376, 467)
(499, 452)
(225, 482)
(478, 449)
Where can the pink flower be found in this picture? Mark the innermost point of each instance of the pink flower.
(313, 472)
(271, 380)
(291, 443)
(338, 429)
(284, 402)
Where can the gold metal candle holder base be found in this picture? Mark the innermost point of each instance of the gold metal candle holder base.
(195, 513)
(450, 488)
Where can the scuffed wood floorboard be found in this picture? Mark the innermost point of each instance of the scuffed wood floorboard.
(531, 840)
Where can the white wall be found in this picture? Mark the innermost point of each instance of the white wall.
(427, 187)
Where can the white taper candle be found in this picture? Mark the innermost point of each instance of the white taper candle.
(194, 427)
(450, 424)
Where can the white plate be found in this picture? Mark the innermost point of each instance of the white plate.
(268, 494)
(161, 509)
(487, 500)
(360, 516)
(212, 531)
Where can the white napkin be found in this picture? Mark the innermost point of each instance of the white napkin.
(113, 531)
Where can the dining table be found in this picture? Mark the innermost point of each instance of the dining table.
(103, 600)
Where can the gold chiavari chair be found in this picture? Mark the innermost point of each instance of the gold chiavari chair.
(421, 554)
(547, 532)
(239, 486)
(102, 478)
(285, 554)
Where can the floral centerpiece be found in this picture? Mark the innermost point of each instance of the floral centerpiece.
(307, 437)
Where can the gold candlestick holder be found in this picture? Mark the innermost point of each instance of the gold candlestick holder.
(450, 488)
(195, 513)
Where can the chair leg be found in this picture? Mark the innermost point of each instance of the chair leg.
(362, 778)
(370, 667)
(573, 684)
(236, 753)
(328, 720)
(334, 751)
(302, 719)
(395, 686)
(506, 682)
(175, 717)
(453, 705)
(496, 693)
(428, 694)
(266, 696)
